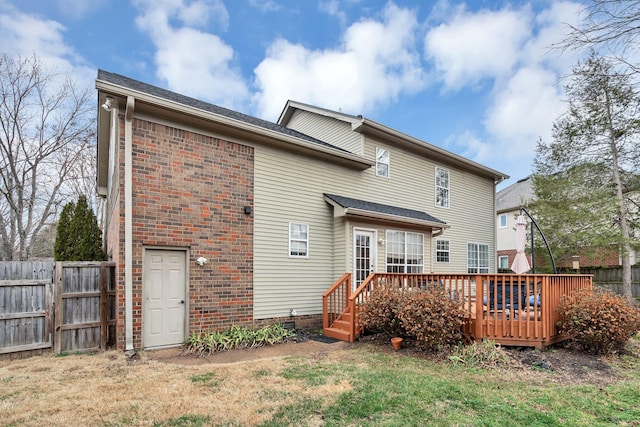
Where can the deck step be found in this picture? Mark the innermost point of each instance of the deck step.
(339, 334)
(343, 325)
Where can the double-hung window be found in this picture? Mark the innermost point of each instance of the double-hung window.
(405, 252)
(442, 251)
(503, 221)
(382, 162)
(298, 240)
(477, 258)
(442, 187)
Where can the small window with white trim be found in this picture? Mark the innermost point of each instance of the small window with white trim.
(298, 240)
(503, 220)
(503, 262)
(382, 162)
(442, 251)
(442, 187)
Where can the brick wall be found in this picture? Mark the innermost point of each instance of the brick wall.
(189, 191)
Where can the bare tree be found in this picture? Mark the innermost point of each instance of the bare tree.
(47, 133)
(611, 27)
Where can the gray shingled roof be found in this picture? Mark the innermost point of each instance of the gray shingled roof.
(126, 82)
(348, 202)
(515, 196)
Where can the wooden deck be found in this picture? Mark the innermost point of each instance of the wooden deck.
(510, 309)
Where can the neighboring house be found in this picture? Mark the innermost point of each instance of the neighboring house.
(508, 203)
(279, 211)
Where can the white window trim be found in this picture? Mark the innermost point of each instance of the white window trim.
(436, 187)
(448, 251)
(478, 268)
(506, 221)
(405, 265)
(388, 163)
(298, 240)
(501, 257)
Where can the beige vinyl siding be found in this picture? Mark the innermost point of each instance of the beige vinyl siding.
(472, 219)
(506, 237)
(327, 129)
(289, 188)
(470, 214)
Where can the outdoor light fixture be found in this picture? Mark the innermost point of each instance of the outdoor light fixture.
(247, 210)
(202, 261)
(107, 103)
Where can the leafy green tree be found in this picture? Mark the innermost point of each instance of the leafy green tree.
(586, 179)
(78, 237)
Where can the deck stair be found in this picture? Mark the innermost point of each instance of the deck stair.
(340, 328)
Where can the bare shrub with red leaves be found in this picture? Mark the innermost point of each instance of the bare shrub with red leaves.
(599, 322)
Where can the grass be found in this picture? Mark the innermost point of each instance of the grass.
(354, 387)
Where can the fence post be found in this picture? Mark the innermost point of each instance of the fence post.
(103, 306)
(57, 316)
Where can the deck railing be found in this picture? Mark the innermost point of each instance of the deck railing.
(507, 308)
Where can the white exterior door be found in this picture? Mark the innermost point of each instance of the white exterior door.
(164, 294)
(364, 255)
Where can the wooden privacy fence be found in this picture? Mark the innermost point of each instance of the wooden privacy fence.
(26, 298)
(64, 306)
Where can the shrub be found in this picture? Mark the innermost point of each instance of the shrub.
(598, 322)
(237, 337)
(380, 311)
(433, 317)
(78, 237)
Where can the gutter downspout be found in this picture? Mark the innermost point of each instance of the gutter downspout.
(128, 223)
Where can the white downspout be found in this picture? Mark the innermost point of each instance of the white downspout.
(128, 223)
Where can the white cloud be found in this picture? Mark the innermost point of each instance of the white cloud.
(376, 62)
(77, 9)
(192, 61)
(524, 110)
(332, 8)
(26, 35)
(265, 5)
(474, 46)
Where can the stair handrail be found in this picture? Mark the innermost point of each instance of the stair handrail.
(351, 303)
(346, 277)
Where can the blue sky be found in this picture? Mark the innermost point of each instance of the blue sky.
(476, 78)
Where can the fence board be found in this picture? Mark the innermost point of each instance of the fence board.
(80, 317)
(67, 306)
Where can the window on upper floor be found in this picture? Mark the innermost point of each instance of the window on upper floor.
(442, 251)
(477, 258)
(503, 220)
(442, 187)
(404, 252)
(382, 162)
(298, 240)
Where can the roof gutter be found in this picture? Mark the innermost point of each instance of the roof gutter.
(142, 97)
(361, 213)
